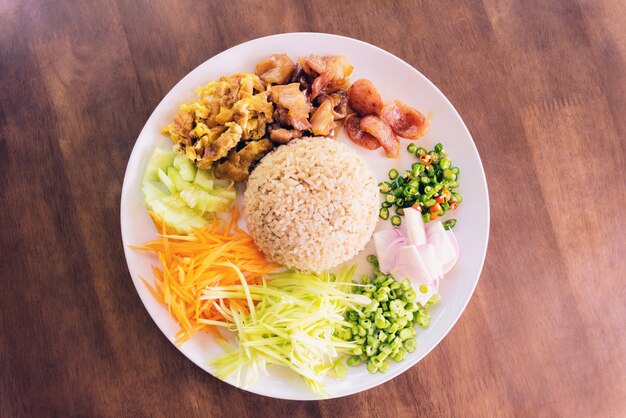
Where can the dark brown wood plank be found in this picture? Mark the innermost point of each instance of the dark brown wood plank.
(542, 88)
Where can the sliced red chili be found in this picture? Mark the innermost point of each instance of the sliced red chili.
(436, 208)
(426, 159)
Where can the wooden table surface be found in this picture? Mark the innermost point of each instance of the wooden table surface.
(541, 86)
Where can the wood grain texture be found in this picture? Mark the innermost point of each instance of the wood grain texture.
(541, 86)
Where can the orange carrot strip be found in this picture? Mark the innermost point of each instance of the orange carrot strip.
(153, 290)
(191, 263)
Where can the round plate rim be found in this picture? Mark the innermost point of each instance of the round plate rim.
(134, 155)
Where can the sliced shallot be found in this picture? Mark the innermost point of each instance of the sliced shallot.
(415, 226)
(384, 241)
(440, 239)
(447, 267)
(418, 252)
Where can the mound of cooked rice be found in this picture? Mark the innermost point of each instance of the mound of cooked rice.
(311, 204)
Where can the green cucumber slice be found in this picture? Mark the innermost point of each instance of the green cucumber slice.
(186, 167)
(176, 214)
(177, 179)
(166, 181)
(151, 191)
(202, 201)
(204, 179)
(160, 159)
(225, 193)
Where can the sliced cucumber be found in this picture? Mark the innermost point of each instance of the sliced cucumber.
(160, 159)
(196, 222)
(204, 179)
(166, 181)
(186, 167)
(151, 191)
(176, 178)
(213, 204)
(176, 214)
(192, 192)
(202, 201)
(225, 193)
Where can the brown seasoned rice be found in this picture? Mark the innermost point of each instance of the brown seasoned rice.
(312, 204)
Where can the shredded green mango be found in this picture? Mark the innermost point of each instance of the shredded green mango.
(297, 323)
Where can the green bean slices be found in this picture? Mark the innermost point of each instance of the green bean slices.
(429, 187)
(384, 329)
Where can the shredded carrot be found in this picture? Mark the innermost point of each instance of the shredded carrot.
(191, 263)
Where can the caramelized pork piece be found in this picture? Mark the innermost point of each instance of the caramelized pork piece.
(376, 127)
(276, 69)
(404, 120)
(333, 73)
(295, 101)
(281, 117)
(323, 120)
(364, 99)
(321, 84)
(237, 166)
(334, 77)
(299, 76)
(341, 106)
(340, 103)
(283, 136)
(312, 65)
(352, 125)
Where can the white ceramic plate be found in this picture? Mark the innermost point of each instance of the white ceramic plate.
(396, 80)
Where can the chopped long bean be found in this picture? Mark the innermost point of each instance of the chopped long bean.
(384, 330)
